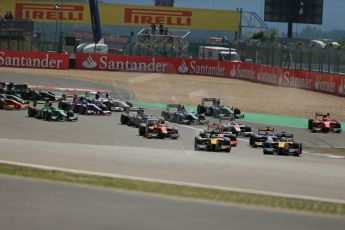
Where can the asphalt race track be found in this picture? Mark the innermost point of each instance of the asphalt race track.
(31, 204)
(101, 144)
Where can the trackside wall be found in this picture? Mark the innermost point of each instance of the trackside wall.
(40, 60)
(315, 81)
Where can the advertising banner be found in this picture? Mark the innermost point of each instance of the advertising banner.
(33, 60)
(326, 83)
(315, 81)
(124, 15)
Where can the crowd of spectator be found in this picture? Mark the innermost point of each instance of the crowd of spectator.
(163, 33)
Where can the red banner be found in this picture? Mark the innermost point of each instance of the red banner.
(33, 60)
(328, 83)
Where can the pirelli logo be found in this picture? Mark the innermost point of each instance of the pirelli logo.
(180, 18)
(49, 12)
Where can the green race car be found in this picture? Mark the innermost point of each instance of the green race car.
(49, 113)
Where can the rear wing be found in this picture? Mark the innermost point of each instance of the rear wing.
(266, 129)
(210, 99)
(321, 114)
(179, 107)
(286, 135)
(228, 119)
(213, 126)
(133, 109)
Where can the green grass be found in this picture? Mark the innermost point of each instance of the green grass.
(179, 190)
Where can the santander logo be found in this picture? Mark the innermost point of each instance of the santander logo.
(341, 88)
(233, 72)
(89, 63)
(183, 67)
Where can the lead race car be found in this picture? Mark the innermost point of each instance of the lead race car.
(323, 123)
(283, 144)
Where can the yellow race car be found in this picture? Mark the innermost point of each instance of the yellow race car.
(283, 144)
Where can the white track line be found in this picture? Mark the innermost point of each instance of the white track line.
(147, 179)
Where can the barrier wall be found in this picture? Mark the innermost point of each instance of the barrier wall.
(314, 81)
(39, 60)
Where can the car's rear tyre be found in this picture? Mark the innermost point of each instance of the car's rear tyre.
(142, 130)
(48, 116)
(124, 119)
(32, 112)
(310, 123)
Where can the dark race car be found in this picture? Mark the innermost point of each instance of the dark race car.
(134, 116)
(178, 114)
(112, 104)
(82, 106)
(26, 93)
(216, 109)
(263, 135)
(323, 123)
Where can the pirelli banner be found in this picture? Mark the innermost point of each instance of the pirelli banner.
(326, 83)
(124, 15)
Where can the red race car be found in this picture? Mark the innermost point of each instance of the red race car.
(323, 123)
(157, 128)
(9, 102)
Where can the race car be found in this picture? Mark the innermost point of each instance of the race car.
(323, 123)
(50, 113)
(134, 116)
(14, 97)
(284, 144)
(212, 139)
(10, 102)
(178, 114)
(218, 110)
(156, 128)
(235, 128)
(26, 93)
(264, 134)
(116, 105)
(82, 106)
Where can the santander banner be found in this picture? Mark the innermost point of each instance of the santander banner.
(315, 81)
(33, 60)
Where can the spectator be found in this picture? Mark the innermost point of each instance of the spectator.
(6, 15)
(11, 17)
(153, 28)
(166, 31)
(147, 34)
(161, 29)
